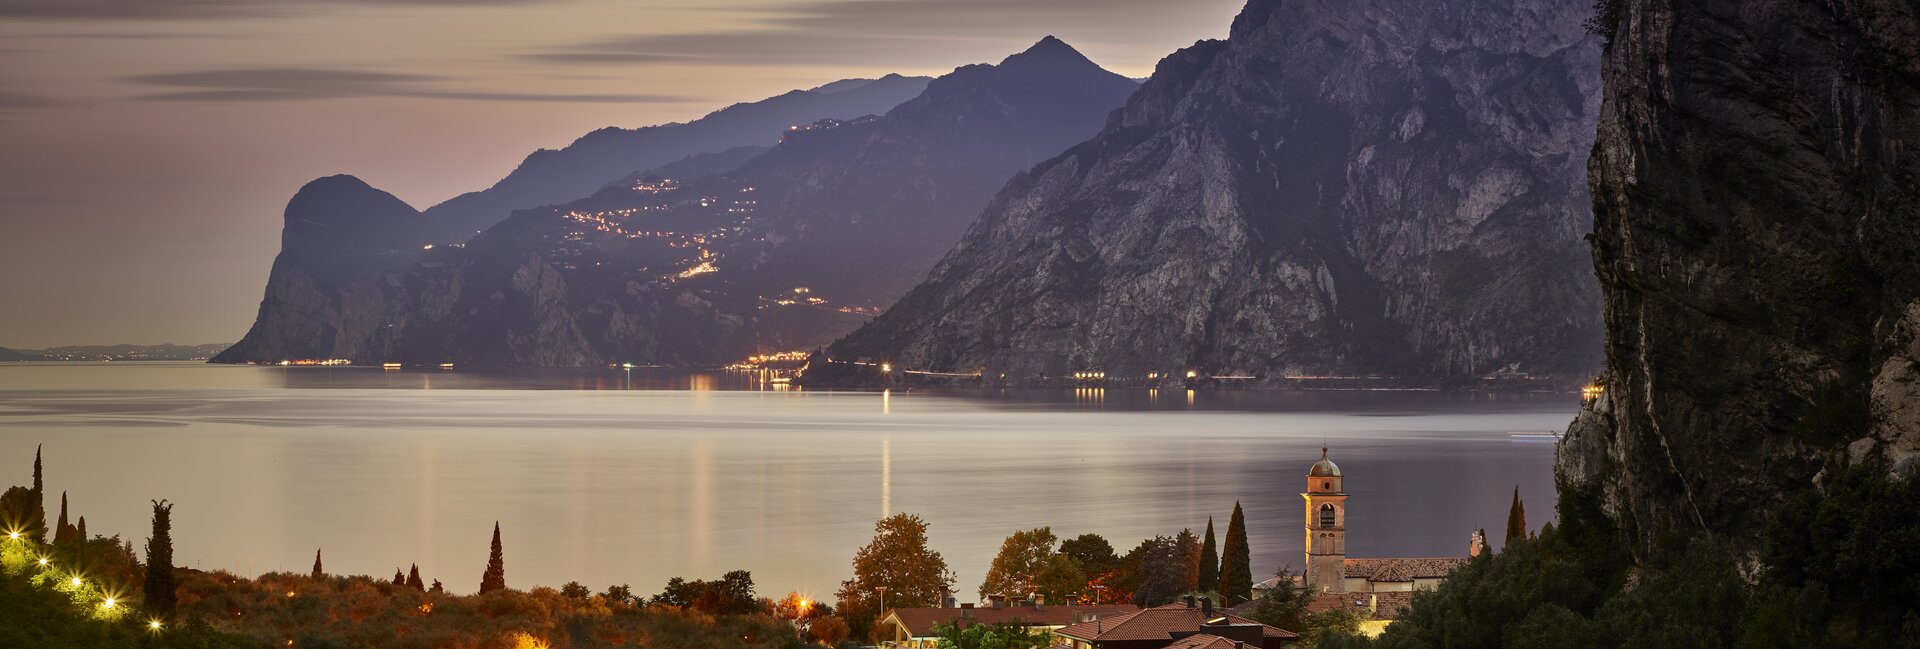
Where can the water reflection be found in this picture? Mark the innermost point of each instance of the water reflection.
(643, 475)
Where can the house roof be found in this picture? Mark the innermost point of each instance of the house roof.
(1204, 641)
(1404, 569)
(1383, 605)
(1159, 623)
(920, 621)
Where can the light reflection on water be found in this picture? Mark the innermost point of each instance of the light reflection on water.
(637, 476)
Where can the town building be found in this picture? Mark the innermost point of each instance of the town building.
(1379, 589)
(1181, 625)
(912, 628)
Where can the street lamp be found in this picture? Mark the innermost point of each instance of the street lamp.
(883, 598)
(1098, 596)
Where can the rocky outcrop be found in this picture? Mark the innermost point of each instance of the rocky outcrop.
(1341, 187)
(791, 249)
(1757, 237)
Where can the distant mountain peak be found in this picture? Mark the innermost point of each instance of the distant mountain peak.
(1049, 49)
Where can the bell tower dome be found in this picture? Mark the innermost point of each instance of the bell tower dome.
(1326, 525)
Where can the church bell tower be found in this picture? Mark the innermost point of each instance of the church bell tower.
(1326, 527)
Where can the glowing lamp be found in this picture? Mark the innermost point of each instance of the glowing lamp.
(43, 562)
(75, 582)
(15, 536)
(107, 604)
(886, 367)
(153, 624)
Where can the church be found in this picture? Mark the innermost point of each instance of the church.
(1377, 588)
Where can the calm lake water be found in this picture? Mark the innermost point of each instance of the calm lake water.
(637, 476)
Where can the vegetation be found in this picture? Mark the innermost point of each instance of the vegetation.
(899, 560)
(1015, 571)
(495, 578)
(1236, 561)
(160, 585)
(1516, 518)
(1838, 571)
(732, 594)
(1285, 607)
(996, 636)
(1161, 577)
(1209, 563)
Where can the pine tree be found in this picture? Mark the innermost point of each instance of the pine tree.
(1516, 518)
(1209, 562)
(399, 578)
(317, 572)
(413, 579)
(1236, 561)
(496, 576)
(160, 595)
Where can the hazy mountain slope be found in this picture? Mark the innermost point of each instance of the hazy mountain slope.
(1757, 237)
(1353, 187)
(552, 176)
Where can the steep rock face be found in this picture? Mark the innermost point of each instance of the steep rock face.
(342, 238)
(548, 177)
(1383, 186)
(1757, 238)
(792, 248)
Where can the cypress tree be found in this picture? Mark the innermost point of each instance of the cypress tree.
(1209, 562)
(496, 576)
(1516, 518)
(160, 593)
(1236, 561)
(413, 579)
(37, 519)
(62, 534)
(80, 530)
(317, 572)
(399, 578)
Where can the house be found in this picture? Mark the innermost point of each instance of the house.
(913, 627)
(1375, 610)
(1169, 626)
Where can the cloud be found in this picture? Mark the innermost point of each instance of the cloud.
(199, 9)
(910, 32)
(298, 84)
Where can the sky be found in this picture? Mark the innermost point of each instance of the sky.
(148, 147)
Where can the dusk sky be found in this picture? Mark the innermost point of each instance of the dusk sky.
(148, 147)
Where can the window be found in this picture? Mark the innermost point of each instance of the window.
(1326, 485)
(1326, 516)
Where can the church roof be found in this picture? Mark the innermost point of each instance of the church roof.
(1404, 569)
(1325, 468)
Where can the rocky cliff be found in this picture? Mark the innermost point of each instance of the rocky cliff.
(1340, 187)
(1757, 238)
(791, 249)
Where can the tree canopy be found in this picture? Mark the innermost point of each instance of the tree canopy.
(1014, 571)
(898, 559)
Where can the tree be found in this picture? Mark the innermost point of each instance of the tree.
(829, 630)
(1162, 574)
(1059, 577)
(80, 529)
(1516, 518)
(495, 578)
(1284, 606)
(796, 606)
(1093, 553)
(37, 519)
(621, 593)
(437, 588)
(1236, 561)
(413, 579)
(1004, 635)
(317, 572)
(732, 594)
(399, 578)
(63, 533)
(1021, 557)
(1187, 547)
(899, 560)
(575, 591)
(1209, 581)
(160, 588)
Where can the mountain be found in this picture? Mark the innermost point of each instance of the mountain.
(160, 352)
(8, 355)
(340, 231)
(552, 176)
(1757, 239)
(790, 249)
(1369, 187)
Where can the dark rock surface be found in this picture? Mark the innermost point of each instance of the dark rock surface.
(1341, 187)
(1757, 237)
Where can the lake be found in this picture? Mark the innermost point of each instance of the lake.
(636, 476)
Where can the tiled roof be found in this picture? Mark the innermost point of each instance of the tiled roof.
(1404, 569)
(1159, 623)
(1204, 641)
(1384, 605)
(920, 621)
